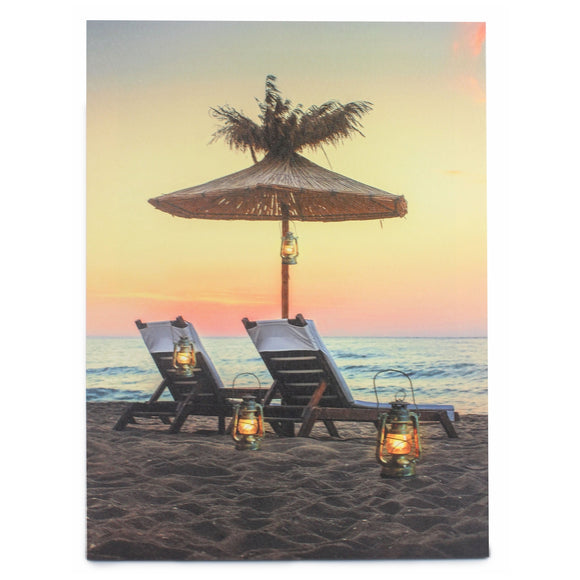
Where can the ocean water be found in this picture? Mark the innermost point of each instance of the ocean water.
(443, 370)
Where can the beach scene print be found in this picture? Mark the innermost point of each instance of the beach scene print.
(286, 313)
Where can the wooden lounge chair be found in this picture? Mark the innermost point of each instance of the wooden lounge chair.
(200, 394)
(309, 385)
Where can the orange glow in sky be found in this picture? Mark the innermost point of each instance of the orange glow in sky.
(149, 88)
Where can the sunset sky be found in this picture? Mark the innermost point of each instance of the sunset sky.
(149, 89)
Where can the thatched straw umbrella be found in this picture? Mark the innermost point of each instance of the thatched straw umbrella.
(285, 185)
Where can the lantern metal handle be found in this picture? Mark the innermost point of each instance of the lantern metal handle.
(241, 375)
(381, 436)
(394, 371)
(418, 449)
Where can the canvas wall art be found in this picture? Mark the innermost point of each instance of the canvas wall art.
(286, 291)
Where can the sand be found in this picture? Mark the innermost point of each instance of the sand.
(192, 496)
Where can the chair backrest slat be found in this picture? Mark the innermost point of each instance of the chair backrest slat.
(292, 358)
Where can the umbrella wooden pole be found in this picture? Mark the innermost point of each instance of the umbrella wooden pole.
(285, 270)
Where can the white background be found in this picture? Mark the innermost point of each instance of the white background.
(533, 292)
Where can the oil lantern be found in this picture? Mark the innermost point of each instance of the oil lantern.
(248, 424)
(184, 357)
(398, 443)
(289, 249)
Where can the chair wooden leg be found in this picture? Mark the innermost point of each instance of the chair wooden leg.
(158, 391)
(447, 425)
(125, 418)
(180, 417)
(221, 425)
(331, 428)
(277, 426)
(270, 394)
(308, 419)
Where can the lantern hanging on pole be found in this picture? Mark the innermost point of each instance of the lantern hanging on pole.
(289, 248)
(184, 357)
(398, 442)
(248, 424)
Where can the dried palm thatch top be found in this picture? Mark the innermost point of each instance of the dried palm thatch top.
(284, 185)
(285, 130)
